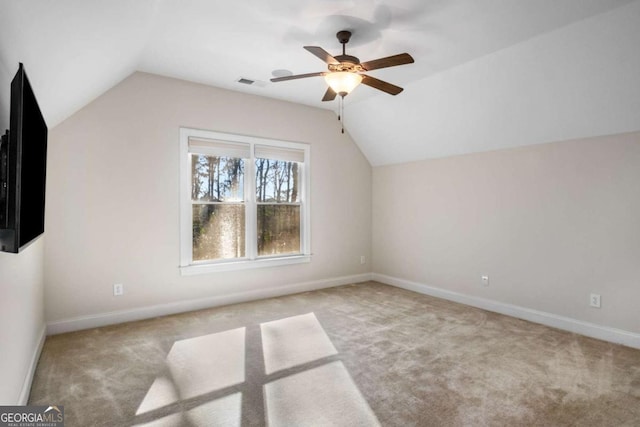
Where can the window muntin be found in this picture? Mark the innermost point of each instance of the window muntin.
(247, 201)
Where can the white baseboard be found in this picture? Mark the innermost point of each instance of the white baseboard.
(28, 379)
(592, 330)
(110, 318)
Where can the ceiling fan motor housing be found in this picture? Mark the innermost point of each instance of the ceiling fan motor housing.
(347, 63)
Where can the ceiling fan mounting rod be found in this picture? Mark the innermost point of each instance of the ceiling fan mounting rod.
(345, 62)
(343, 37)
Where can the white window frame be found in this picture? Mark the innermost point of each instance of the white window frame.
(251, 259)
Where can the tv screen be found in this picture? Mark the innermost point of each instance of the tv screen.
(23, 175)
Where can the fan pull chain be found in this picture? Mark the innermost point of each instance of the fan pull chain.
(341, 112)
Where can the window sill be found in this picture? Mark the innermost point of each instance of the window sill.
(195, 269)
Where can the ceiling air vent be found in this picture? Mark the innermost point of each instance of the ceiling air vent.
(251, 82)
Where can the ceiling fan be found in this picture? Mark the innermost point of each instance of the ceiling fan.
(345, 71)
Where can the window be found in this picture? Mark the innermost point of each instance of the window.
(244, 202)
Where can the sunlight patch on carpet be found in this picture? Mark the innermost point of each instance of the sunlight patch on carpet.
(161, 393)
(207, 363)
(325, 395)
(294, 341)
(226, 411)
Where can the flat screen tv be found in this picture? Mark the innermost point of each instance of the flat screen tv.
(23, 167)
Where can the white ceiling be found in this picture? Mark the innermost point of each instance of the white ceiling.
(75, 50)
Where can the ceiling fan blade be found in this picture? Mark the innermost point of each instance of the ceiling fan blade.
(322, 54)
(381, 85)
(389, 61)
(329, 95)
(298, 76)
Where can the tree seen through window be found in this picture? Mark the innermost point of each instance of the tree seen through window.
(219, 207)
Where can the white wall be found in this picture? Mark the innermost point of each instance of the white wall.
(549, 224)
(579, 81)
(113, 197)
(21, 320)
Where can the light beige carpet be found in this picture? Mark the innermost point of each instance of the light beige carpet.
(354, 355)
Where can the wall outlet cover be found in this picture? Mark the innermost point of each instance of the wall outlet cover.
(118, 289)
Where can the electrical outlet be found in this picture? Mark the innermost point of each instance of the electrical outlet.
(118, 289)
(485, 280)
(363, 259)
(594, 300)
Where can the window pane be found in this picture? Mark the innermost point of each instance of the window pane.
(218, 232)
(277, 181)
(278, 229)
(217, 179)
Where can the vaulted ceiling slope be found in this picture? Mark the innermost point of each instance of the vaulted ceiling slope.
(488, 73)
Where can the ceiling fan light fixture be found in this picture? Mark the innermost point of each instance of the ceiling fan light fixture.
(343, 82)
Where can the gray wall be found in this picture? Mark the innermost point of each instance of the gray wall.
(113, 197)
(21, 319)
(549, 224)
